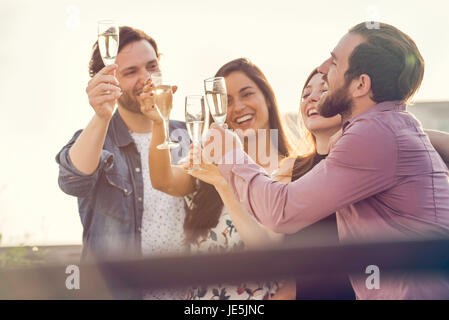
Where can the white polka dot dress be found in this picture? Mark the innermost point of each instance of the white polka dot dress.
(162, 220)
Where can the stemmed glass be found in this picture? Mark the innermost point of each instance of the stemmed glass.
(163, 95)
(217, 98)
(196, 121)
(108, 41)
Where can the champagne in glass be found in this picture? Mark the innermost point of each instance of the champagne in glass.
(108, 41)
(217, 98)
(163, 95)
(164, 100)
(196, 121)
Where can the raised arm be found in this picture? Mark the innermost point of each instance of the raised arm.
(82, 159)
(103, 91)
(164, 176)
(440, 141)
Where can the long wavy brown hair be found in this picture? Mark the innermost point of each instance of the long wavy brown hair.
(206, 206)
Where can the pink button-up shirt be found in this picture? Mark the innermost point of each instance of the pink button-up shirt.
(383, 178)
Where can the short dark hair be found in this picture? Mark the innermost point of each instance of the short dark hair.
(390, 58)
(126, 36)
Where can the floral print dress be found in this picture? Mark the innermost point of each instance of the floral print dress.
(224, 238)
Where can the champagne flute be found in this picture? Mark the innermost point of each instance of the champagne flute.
(108, 41)
(163, 95)
(217, 98)
(196, 122)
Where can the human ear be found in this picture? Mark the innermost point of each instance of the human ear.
(362, 86)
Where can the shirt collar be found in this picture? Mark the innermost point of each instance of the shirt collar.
(380, 107)
(120, 130)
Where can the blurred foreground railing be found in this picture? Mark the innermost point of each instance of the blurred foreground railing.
(49, 281)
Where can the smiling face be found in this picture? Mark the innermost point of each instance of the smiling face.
(314, 122)
(339, 98)
(136, 61)
(247, 106)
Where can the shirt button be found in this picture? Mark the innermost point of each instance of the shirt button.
(140, 199)
(137, 169)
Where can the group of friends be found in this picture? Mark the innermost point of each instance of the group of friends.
(363, 168)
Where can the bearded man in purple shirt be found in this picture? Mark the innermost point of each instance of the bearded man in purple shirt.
(383, 177)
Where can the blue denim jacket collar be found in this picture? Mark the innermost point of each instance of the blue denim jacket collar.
(120, 131)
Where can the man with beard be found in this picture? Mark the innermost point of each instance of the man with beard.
(383, 177)
(106, 165)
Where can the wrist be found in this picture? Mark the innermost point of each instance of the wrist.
(158, 122)
(101, 120)
(158, 125)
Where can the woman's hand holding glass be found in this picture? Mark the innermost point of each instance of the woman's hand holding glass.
(147, 102)
(208, 172)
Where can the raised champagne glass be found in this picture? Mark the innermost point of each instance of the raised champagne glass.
(163, 95)
(108, 41)
(196, 122)
(217, 98)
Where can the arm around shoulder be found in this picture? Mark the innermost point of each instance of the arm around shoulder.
(362, 163)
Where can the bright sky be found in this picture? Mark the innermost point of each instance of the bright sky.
(44, 57)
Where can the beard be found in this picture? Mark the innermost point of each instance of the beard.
(335, 103)
(130, 102)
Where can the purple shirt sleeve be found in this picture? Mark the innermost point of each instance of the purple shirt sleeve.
(362, 163)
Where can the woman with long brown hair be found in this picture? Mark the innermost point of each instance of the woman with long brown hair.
(316, 135)
(214, 214)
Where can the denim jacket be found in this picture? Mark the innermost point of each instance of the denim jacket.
(110, 200)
